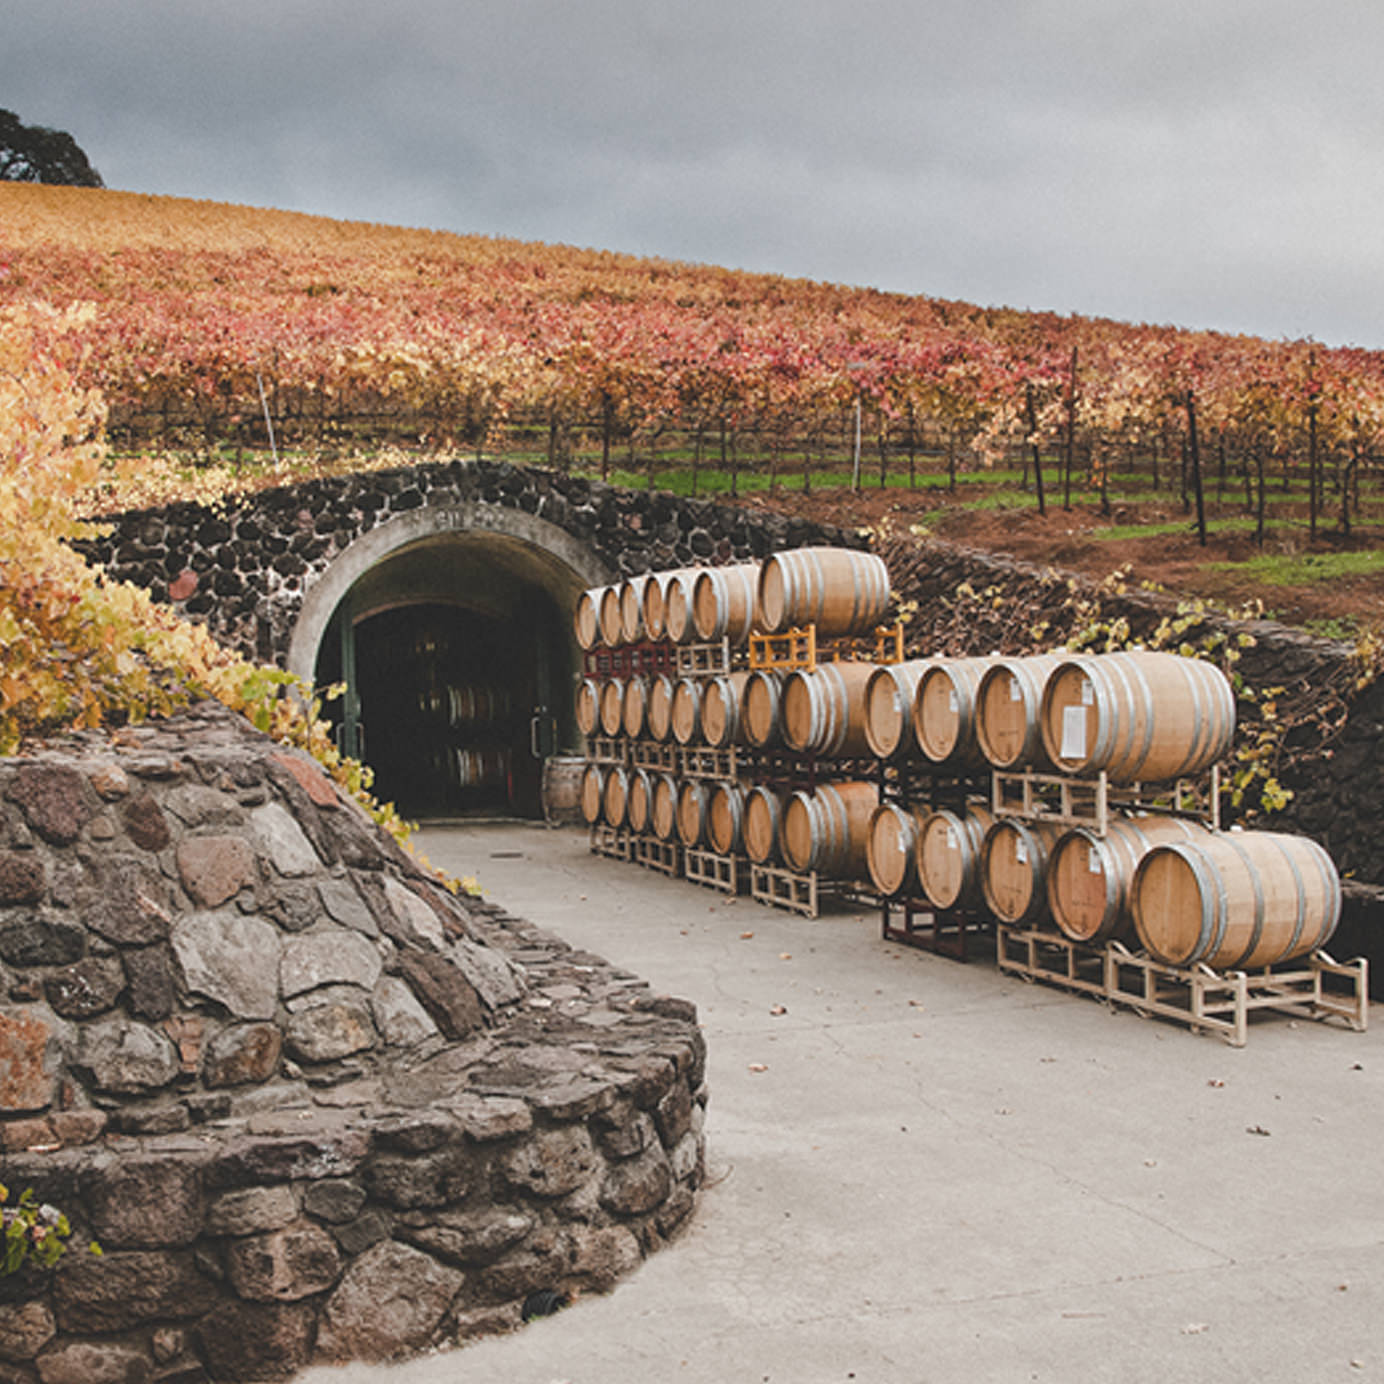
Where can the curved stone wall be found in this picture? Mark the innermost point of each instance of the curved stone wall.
(312, 1105)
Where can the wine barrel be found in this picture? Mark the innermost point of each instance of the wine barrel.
(1141, 717)
(593, 793)
(693, 797)
(586, 618)
(635, 707)
(639, 800)
(723, 602)
(663, 812)
(889, 708)
(560, 788)
(949, 846)
(944, 714)
(658, 716)
(829, 831)
(612, 628)
(1013, 869)
(655, 601)
(615, 798)
(891, 852)
(588, 705)
(1008, 712)
(722, 719)
(677, 606)
(1235, 900)
(760, 709)
(839, 590)
(1089, 875)
(725, 818)
(762, 822)
(632, 609)
(687, 710)
(481, 767)
(612, 706)
(823, 710)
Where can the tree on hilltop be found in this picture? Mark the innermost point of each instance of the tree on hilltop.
(36, 154)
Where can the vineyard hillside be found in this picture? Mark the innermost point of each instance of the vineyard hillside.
(230, 344)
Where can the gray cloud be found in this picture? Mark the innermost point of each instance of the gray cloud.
(1210, 164)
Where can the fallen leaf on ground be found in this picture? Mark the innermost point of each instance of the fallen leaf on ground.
(759, 1067)
(777, 1009)
(745, 936)
(1196, 1328)
(1257, 1129)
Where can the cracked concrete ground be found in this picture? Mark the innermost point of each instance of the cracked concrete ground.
(925, 1171)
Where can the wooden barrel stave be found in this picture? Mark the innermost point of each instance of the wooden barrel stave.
(840, 590)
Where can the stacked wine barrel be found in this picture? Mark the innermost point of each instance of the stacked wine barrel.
(886, 771)
(729, 760)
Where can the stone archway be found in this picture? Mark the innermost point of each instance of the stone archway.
(451, 628)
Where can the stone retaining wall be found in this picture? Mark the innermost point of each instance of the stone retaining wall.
(311, 1105)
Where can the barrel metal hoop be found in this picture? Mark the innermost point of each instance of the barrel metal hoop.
(1257, 885)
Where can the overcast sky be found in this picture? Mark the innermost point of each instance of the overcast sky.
(1213, 163)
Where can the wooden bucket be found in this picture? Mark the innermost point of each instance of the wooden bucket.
(839, 590)
(723, 602)
(658, 716)
(1009, 705)
(1235, 900)
(762, 822)
(760, 709)
(889, 708)
(944, 719)
(612, 706)
(616, 796)
(948, 864)
(612, 622)
(693, 798)
(1141, 717)
(687, 710)
(593, 793)
(586, 618)
(891, 852)
(725, 818)
(1013, 869)
(632, 609)
(1089, 876)
(560, 789)
(823, 710)
(588, 705)
(639, 800)
(677, 606)
(829, 831)
(663, 814)
(635, 708)
(722, 722)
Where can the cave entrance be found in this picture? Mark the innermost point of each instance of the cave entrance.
(458, 660)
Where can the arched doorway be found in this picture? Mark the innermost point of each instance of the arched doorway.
(455, 645)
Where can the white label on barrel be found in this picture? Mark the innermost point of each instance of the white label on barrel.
(952, 843)
(1092, 861)
(898, 841)
(1088, 693)
(898, 703)
(1074, 732)
(951, 699)
(1016, 693)
(1020, 851)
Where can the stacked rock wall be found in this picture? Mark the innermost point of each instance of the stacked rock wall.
(311, 1104)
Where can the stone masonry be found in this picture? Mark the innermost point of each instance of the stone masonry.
(312, 1105)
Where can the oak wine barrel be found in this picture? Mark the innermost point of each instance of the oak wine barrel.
(693, 799)
(560, 789)
(823, 709)
(760, 709)
(1008, 712)
(632, 609)
(1235, 900)
(612, 706)
(1139, 716)
(658, 715)
(1089, 875)
(612, 627)
(687, 710)
(944, 714)
(593, 793)
(949, 847)
(1013, 869)
(722, 719)
(725, 818)
(588, 705)
(639, 800)
(762, 822)
(635, 708)
(840, 590)
(723, 602)
(889, 708)
(616, 796)
(891, 852)
(677, 606)
(829, 831)
(586, 618)
(663, 812)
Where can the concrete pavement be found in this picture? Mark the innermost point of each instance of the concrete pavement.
(926, 1171)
